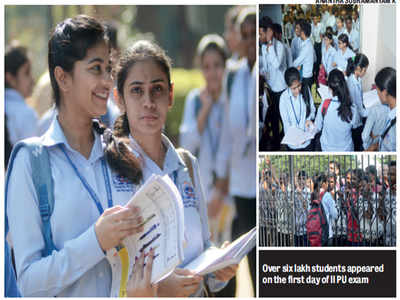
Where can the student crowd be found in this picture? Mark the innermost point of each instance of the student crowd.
(320, 45)
(359, 204)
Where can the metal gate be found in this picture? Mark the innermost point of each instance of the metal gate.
(362, 193)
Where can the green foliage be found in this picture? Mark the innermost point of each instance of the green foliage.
(184, 81)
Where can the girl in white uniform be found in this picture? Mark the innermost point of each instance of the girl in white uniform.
(296, 107)
(356, 69)
(328, 53)
(145, 94)
(340, 117)
(343, 53)
(88, 218)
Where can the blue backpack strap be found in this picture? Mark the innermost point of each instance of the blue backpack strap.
(43, 183)
(197, 105)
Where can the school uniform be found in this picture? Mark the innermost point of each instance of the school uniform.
(293, 113)
(341, 58)
(316, 31)
(204, 145)
(330, 21)
(374, 124)
(274, 65)
(336, 134)
(356, 24)
(389, 142)
(336, 37)
(354, 39)
(306, 59)
(328, 57)
(22, 120)
(330, 210)
(295, 47)
(288, 56)
(236, 157)
(288, 32)
(79, 267)
(300, 214)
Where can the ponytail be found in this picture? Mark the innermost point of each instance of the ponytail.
(339, 88)
(119, 157)
(359, 60)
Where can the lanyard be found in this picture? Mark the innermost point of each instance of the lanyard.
(91, 192)
(294, 112)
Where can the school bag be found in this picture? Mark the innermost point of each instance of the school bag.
(392, 123)
(317, 141)
(43, 183)
(44, 186)
(353, 223)
(317, 224)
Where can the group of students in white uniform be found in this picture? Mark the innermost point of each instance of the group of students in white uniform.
(84, 156)
(287, 75)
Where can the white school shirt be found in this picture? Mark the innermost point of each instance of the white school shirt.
(375, 123)
(204, 145)
(356, 24)
(288, 55)
(305, 58)
(336, 134)
(327, 58)
(288, 31)
(330, 21)
(196, 231)
(356, 94)
(79, 267)
(389, 142)
(238, 145)
(316, 31)
(22, 120)
(341, 58)
(295, 47)
(354, 39)
(274, 62)
(330, 211)
(293, 113)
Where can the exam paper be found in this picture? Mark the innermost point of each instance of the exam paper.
(371, 98)
(295, 136)
(161, 207)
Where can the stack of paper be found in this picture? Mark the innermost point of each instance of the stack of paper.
(371, 98)
(161, 207)
(214, 259)
(296, 137)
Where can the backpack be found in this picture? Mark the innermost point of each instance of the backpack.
(393, 122)
(43, 183)
(317, 224)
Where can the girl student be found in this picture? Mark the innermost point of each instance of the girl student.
(343, 53)
(145, 94)
(204, 108)
(356, 69)
(385, 81)
(84, 189)
(340, 28)
(21, 119)
(296, 107)
(328, 53)
(338, 118)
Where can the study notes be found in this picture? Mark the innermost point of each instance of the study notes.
(295, 136)
(161, 207)
(214, 259)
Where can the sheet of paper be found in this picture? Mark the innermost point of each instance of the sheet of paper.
(324, 92)
(161, 207)
(371, 98)
(295, 136)
(215, 258)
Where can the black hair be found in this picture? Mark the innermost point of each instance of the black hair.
(15, 57)
(291, 75)
(265, 20)
(335, 163)
(112, 34)
(371, 169)
(348, 18)
(277, 28)
(319, 179)
(345, 39)
(212, 42)
(305, 27)
(329, 36)
(70, 41)
(301, 173)
(385, 79)
(359, 60)
(392, 163)
(338, 85)
(117, 152)
(298, 21)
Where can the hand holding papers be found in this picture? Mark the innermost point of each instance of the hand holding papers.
(161, 207)
(371, 98)
(295, 136)
(214, 259)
